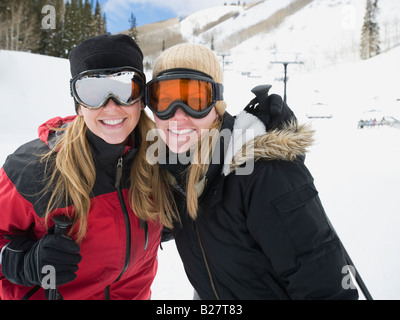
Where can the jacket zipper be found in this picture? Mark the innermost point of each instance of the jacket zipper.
(206, 263)
(183, 193)
(127, 224)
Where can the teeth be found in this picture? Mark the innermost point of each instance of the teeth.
(113, 122)
(184, 131)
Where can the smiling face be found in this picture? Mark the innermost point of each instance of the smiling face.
(181, 131)
(112, 123)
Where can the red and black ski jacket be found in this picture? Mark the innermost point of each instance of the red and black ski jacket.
(119, 252)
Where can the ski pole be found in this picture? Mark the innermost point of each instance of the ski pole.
(356, 275)
(61, 224)
(353, 271)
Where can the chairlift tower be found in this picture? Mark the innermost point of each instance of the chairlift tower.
(223, 55)
(286, 59)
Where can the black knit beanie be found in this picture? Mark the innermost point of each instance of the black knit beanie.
(105, 51)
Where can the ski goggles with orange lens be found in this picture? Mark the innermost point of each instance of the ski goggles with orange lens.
(193, 91)
(94, 88)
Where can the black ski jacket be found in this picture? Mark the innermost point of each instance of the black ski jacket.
(261, 231)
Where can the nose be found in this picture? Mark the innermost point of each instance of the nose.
(111, 104)
(180, 114)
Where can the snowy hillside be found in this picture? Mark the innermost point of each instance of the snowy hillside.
(244, 19)
(33, 88)
(321, 32)
(356, 171)
(196, 22)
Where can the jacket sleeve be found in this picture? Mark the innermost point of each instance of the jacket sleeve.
(17, 216)
(286, 218)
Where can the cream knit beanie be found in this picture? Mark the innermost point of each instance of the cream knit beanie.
(192, 56)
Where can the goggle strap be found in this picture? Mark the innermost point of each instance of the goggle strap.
(183, 72)
(219, 92)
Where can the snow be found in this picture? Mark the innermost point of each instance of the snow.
(200, 19)
(33, 89)
(356, 171)
(246, 18)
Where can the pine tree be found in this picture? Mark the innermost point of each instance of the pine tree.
(59, 50)
(80, 22)
(99, 21)
(132, 30)
(370, 39)
(87, 21)
(21, 26)
(72, 34)
(51, 42)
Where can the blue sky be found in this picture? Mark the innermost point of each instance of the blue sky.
(118, 12)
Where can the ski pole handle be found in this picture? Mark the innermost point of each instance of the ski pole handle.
(61, 224)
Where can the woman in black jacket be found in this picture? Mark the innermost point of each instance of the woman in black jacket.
(251, 224)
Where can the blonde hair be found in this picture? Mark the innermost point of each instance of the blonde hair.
(73, 174)
(198, 168)
(150, 197)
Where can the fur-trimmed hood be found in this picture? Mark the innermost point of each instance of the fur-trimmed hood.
(251, 141)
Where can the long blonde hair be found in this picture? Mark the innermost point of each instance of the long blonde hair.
(150, 197)
(72, 175)
(199, 166)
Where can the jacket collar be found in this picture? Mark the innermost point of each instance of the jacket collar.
(110, 153)
(251, 142)
(224, 140)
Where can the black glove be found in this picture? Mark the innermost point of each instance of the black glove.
(23, 259)
(271, 110)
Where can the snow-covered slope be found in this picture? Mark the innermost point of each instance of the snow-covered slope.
(323, 32)
(33, 88)
(196, 22)
(241, 20)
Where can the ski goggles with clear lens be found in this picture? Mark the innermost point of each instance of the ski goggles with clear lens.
(94, 88)
(193, 91)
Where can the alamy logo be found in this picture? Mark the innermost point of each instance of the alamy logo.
(49, 21)
(49, 280)
(347, 281)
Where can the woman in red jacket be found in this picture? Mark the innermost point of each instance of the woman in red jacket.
(80, 167)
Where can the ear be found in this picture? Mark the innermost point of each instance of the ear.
(79, 111)
(217, 116)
